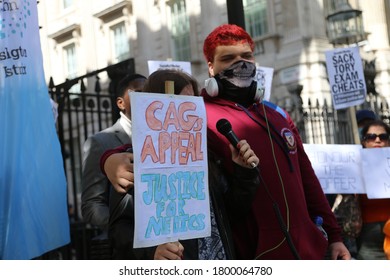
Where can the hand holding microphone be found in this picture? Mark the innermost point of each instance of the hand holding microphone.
(242, 154)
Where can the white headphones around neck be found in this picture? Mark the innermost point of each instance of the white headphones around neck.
(212, 87)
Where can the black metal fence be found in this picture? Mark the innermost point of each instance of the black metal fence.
(82, 113)
(322, 124)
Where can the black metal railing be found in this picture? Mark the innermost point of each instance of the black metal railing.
(322, 124)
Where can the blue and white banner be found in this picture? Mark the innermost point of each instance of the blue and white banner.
(33, 195)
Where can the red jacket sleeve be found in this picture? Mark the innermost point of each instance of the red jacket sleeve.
(106, 154)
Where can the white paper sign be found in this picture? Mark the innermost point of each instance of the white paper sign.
(264, 76)
(170, 167)
(376, 172)
(346, 77)
(338, 167)
(155, 65)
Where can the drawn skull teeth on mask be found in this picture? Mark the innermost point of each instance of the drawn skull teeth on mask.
(240, 74)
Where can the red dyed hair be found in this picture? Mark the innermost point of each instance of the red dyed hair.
(224, 35)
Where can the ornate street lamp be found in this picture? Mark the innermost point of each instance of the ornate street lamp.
(345, 24)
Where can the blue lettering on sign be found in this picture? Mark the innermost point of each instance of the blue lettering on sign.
(182, 185)
(169, 194)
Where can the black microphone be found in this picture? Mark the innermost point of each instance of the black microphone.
(225, 128)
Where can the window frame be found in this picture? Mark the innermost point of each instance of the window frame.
(71, 64)
(265, 19)
(118, 57)
(180, 41)
(66, 4)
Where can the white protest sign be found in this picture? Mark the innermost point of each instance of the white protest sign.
(264, 76)
(170, 168)
(338, 167)
(346, 77)
(155, 65)
(376, 172)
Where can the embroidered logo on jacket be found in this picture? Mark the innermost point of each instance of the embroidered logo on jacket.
(288, 137)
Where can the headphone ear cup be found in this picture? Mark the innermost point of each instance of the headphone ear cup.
(212, 87)
(259, 91)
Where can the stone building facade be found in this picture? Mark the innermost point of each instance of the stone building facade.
(81, 36)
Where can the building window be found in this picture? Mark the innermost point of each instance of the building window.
(70, 57)
(67, 3)
(180, 30)
(120, 42)
(256, 20)
(70, 61)
(387, 12)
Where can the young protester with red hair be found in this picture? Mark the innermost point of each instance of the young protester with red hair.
(280, 224)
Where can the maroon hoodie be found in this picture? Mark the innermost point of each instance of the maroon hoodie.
(289, 183)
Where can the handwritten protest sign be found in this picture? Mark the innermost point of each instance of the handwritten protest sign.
(338, 167)
(170, 166)
(264, 76)
(155, 65)
(346, 77)
(376, 172)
